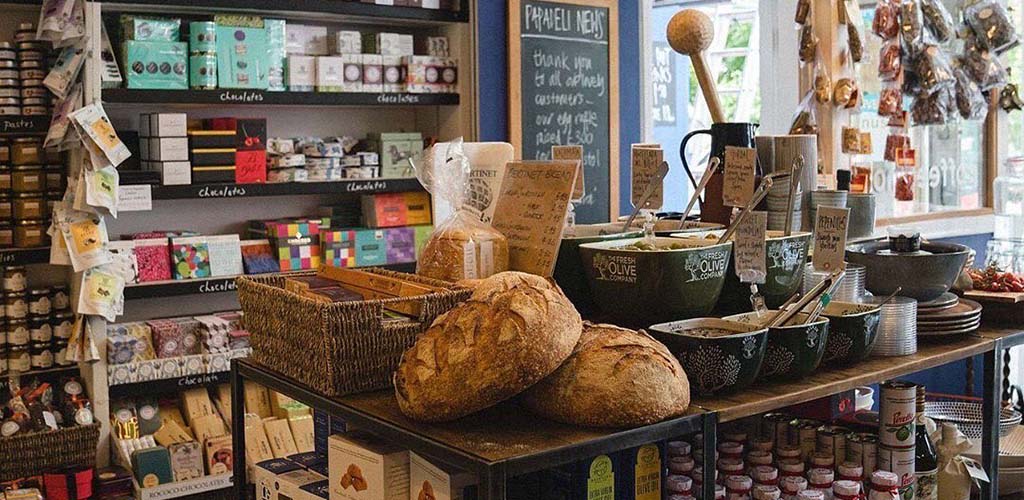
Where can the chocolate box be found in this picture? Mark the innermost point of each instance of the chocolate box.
(296, 242)
(339, 248)
(401, 245)
(371, 247)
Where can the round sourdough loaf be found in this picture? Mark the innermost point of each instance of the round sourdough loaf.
(614, 378)
(514, 330)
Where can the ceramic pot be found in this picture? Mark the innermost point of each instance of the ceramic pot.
(719, 364)
(793, 351)
(852, 330)
(569, 267)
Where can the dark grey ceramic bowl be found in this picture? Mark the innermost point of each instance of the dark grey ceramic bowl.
(923, 276)
(715, 365)
(852, 331)
(793, 351)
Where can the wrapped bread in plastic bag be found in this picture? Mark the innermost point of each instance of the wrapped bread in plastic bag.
(805, 120)
(461, 246)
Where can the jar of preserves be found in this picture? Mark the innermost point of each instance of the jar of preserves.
(5, 177)
(18, 332)
(15, 306)
(56, 180)
(39, 329)
(6, 234)
(62, 323)
(27, 179)
(29, 206)
(7, 51)
(18, 359)
(15, 279)
(60, 353)
(39, 302)
(59, 299)
(26, 151)
(29, 234)
(3, 360)
(40, 356)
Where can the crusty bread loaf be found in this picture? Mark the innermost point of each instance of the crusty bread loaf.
(444, 256)
(514, 330)
(614, 378)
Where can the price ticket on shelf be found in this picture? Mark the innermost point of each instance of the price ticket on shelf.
(830, 238)
(740, 169)
(572, 153)
(531, 211)
(646, 158)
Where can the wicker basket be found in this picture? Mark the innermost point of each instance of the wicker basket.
(24, 455)
(340, 348)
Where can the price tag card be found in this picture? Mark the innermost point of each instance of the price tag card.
(135, 198)
(645, 161)
(975, 469)
(830, 238)
(572, 153)
(748, 248)
(740, 168)
(530, 212)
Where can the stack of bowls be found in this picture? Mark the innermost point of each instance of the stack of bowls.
(851, 288)
(778, 205)
(827, 198)
(897, 327)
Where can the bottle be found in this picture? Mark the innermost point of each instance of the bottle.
(926, 462)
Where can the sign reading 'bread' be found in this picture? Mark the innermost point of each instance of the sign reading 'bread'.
(531, 210)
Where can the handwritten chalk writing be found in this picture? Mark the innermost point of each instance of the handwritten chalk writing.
(830, 238)
(221, 192)
(553, 19)
(230, 96)
(749, 247)
(663, 72)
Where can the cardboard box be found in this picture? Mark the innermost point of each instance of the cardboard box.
(186, 460)
(373, 73)
(440, 483)
(156, 64)
(363, 467)
(265, 474)
(163, 125)
(292, 484)
(371, 247)
(422, 236)
(219, 455)
(395, 150)
(277, 55)
(167, 149)
(172, 173)
(280, 435)
(352, 72)
(393, 73)
(348, 42)
(417, 208)
(301, 73)
(208, 426)
(172, 432)
(401, 245)
(257, 446)
(257, 400)
(211, 139)
(302, 432)
(196, 404)
(339, 248)
(431, 75)
(152, 466)
(330, 74)
(384, 210)
(241, 57)
(324, 426)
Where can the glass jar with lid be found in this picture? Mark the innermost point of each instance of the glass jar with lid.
(29, 234)
(40, 356)
(6, 234)
(27, 151)
(62, 324)
(56, 179)
(28, 206)
(27, 178)
(18, 359)
(39, 329)
(14, 279)
(18, 332)
(39, 302)
(15, 306)
(59, 297)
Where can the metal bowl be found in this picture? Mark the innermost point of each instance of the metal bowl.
(967, 416)
(924, 276)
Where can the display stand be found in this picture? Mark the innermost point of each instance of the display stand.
(498, 444)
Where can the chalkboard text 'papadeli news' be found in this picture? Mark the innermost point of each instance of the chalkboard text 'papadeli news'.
(553, 19)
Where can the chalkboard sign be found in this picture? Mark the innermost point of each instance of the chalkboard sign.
(563, 74)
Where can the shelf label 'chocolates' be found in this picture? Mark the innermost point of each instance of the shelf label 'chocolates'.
(530, 212)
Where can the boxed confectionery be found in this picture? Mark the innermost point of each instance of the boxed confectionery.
(371, 247)
(338, 248)
(431, 75)
(396, 209)
(363, 467)
(242, 61)
(395, 150)
(428, 480)
(296, 242)
(156, 64)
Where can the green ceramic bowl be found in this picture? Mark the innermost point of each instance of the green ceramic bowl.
(793, 351)
(715, 364)
(668, 227)
(639, 288)
(569, 267)
(852, 331)
(785, 256)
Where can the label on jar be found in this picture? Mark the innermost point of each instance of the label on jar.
(40, 306)
(16, 308)
(60, 300)
(14, 281)
(41, 333)
(73, 388)
(19, 360)
(62, 329)
(18, 334)
(927, 485)
(42, 359)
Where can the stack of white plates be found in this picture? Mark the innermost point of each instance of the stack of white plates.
(778, 205)
(851, 288)
(897, 327)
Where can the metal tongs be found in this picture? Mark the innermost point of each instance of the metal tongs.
(713, 165)
(759, 194)
(659, 177)
(794, 181)
(827, 285)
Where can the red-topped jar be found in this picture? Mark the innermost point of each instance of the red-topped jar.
(821, 479)
(731, 449)
(885, 485)
(822, 459)
(759, 457)
(678, 448)
(791, 485)
(849, 471)
(760, 443)
(729, 466)
(765, 474)
(738, 487)
(766, 492)
(846, 490)
(680, 465)
(791, 467)
(677, 483)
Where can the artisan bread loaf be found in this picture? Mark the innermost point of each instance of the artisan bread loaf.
(514, 330)
(463, 249)
(614, 378)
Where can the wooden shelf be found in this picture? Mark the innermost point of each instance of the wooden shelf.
(254, 97)
(169, 385)
(220, 284)
(762, 398)
(351, 187)
(24, 125)
(24, 256)
(292, 8)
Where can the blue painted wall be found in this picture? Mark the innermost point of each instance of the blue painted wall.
(492, 51)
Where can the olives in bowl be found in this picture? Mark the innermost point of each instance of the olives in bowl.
(640, 282)
(718, 356)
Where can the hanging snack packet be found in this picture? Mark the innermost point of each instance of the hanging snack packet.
(853, 38)
(101, 187)
(75, 29)
(933, 70)
(808, 43)
(57, 135)
(898, 119)
(822, 83)
(895, 142)
(803, 9)
(911, 21)
(65, 71)
(932, 109)
(938, 20)
(102, 293)
(805, 120)
(846, 93)
(890, 100)
(85, 235)
(890, 60)
(54, 18)
(983, 67)
(991, 24)
(461, 247)
(970, 101)
(93, 123)
(886, 23)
